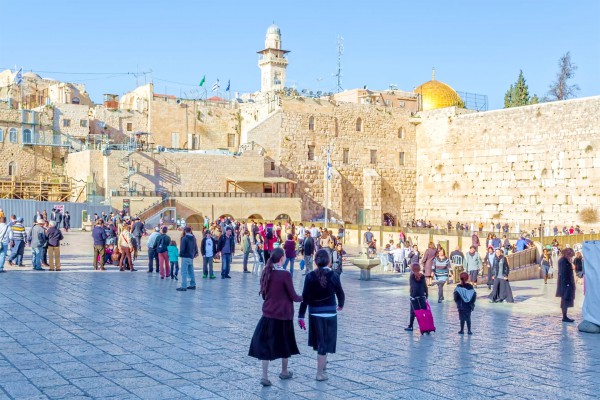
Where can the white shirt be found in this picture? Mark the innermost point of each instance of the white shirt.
(209, 247)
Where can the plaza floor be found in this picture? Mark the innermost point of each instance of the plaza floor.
(82, 334)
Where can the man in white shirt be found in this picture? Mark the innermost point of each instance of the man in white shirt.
(152, 251)
(314, 232)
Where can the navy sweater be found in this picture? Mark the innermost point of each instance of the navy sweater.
(319, 299)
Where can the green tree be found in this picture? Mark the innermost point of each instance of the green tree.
(518, 94)
(561, 90)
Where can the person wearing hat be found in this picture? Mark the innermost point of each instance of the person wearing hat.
(308, 250)
(99, 235)
(565, 285)
(152, 249)
(67, 221)
(37, 239)
(18, 243)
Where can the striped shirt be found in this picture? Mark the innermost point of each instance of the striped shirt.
(441, 268)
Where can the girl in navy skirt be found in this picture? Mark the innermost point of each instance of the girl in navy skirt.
(321, 287)
(274, 335)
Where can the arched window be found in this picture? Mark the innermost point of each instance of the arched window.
(311, 123)
(359, 125)
(12, 135)
(1, 135)
(12, 168)
(75, 100)
(401, 133)
(27, 136)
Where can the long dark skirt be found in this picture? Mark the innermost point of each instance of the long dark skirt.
(501, 291)
(273, 339)
(322, 334)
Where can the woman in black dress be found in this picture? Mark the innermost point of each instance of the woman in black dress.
(321, 287)
(501, 291)
(274, 335)
(565, 288)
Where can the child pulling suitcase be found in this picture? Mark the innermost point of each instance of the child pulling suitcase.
(419, 306)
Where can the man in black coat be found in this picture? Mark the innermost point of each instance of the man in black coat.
(565, 286)
(308, 249)
(137, 232)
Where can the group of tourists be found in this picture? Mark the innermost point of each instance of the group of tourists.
(44, 238)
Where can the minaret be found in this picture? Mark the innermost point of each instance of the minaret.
(272, 62)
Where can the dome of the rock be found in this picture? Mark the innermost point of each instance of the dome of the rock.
(436, 94)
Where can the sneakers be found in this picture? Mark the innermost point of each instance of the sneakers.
(408, 329)
(213, 277)
(181, 289)
(191, 287)
(204, 276)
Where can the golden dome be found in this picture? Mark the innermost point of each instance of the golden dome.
(436, 94)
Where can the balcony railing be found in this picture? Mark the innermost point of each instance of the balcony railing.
(123, 193)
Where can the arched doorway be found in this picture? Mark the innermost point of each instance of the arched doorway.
(256, 217)
(195, 221)
(283, 217)
(389, 219)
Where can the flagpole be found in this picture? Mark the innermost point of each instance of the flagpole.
(327, 190)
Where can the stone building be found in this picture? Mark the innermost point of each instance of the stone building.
(372, 151)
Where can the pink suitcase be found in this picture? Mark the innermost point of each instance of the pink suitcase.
(425, 319)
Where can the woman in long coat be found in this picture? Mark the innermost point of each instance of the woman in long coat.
(501, 292)
(565, 288)
(427, 262)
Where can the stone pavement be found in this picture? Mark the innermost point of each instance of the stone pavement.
(84, 334)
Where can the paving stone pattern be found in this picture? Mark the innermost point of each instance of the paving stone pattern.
(82, 334)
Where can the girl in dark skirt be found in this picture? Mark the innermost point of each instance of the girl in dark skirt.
(274, 335)
(321, 287)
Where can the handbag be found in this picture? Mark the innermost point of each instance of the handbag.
(2, 239)
(301, 265)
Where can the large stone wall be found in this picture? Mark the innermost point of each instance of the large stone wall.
(286, 137)
(519, 165)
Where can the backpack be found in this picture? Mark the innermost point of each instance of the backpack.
(161, 248)
(269, 234)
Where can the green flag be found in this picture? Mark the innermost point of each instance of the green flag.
(202, 80)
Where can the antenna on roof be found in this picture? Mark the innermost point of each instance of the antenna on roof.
(340, 52)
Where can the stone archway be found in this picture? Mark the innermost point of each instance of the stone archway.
(256, 217)
(195, 221)
(389, 220)
(283, 217)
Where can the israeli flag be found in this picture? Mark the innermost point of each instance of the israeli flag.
(19, 77)
(328, 165)
(216, 86)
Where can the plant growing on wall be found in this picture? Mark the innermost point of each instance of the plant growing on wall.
(588, 215)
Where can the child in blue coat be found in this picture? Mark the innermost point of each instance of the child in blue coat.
(173, 259)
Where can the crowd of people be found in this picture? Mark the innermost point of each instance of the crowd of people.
(44, 238)
(117, 239)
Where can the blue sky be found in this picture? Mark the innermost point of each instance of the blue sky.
(475, 46)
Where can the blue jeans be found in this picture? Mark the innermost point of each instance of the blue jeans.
(36, 255)
(16, 253)
(225, 264)
(291, 262)
(174, 268)
(187, 269)
(3, 253)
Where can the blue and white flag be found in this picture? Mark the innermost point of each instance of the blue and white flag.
(228, 85)
(19, 77)
(216, 86)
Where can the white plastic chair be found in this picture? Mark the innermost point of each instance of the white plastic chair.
(258, 265)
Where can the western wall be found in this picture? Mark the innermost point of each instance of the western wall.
(517, 165)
